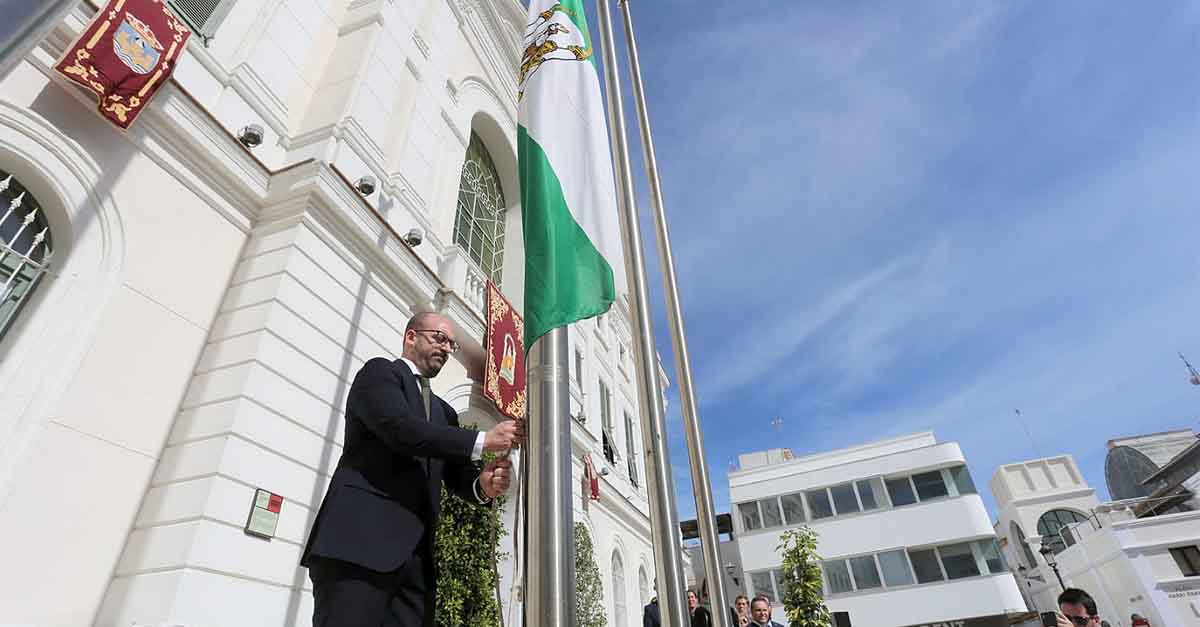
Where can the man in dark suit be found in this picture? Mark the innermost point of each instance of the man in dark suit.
(650, 615)
(760, 612)
(370, 551)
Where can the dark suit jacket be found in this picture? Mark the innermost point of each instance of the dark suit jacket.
(385, 494)
(651, 616)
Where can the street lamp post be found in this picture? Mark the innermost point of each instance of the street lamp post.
(1048, 555)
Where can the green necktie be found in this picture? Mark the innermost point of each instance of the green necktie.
(425, 393)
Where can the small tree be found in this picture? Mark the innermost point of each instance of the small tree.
(467, 551)
(589, 595)
(803, 599)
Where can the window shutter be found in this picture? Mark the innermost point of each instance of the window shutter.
(204, 16)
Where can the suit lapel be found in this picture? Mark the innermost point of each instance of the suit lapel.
(412, 391)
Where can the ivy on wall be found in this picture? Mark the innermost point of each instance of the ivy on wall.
(467, 552)
(589, 594)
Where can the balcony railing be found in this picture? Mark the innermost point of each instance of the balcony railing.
(464, 276)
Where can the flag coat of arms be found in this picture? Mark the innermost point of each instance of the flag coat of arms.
(126, 55)
(504, 365)
(568, 201)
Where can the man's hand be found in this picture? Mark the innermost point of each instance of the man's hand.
(1063, 621)
(504, 436)
(495, 477)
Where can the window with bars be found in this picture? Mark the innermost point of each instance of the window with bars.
(25, 247)
(479, 223)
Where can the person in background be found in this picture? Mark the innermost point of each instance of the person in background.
(1077, 608)
(651, 617)
(739, 614)
(700, 616)
(760, 612)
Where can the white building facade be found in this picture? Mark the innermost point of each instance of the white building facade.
(1148, 567)
(903, 535)
(188, 331)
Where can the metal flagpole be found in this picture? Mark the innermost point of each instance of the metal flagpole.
(705, 518)
(25, 25)
(664, 521)
(550, 568)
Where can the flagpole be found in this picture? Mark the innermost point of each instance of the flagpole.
(25, 25)
(549, 568)
(701, 488)
(664, 521)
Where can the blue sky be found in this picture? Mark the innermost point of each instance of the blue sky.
(892, 217)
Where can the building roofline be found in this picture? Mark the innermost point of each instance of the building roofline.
(1178, 456)
(817, 456)
(1111, 444)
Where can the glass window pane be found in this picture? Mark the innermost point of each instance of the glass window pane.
(962, 480)
(837, 576)
(925, 564)
(793, 508)
(818, 504)
(895, 568)
(992, 555)
(867, 489)
(900, 490)
(930, 485)
(843, 498)
(750, 518)
(780, 589)
(866, 576)
(958, 560)
(770, 513)
(761, 581)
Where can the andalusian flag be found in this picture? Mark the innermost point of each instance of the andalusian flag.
(569, 207)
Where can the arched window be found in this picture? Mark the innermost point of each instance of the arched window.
(479, 224)
(643, 585)
(1054, 520)
(1025, 554)
(618, 585)
(25, 247)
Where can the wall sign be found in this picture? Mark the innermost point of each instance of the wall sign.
(264, 514)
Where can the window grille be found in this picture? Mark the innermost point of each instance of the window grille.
(25, 247)
(479, 224)
(203, 16)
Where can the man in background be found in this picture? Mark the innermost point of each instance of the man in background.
(1077, 608)
(760, 612)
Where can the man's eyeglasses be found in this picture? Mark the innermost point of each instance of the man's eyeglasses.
(1079, 621)
(440, 337)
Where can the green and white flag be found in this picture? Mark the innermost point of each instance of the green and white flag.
(568, 202)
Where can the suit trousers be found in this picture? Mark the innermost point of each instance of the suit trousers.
(348, 595)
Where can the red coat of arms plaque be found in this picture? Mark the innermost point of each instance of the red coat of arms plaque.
(504, 372)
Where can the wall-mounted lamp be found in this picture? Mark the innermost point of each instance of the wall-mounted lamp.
(365, 185)
(251, 135)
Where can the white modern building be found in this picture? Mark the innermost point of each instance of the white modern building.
(187, 330)
(904, 536)
(1050, 519)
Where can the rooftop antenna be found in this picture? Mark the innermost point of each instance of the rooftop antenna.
(1193, 376)
(1032, 442)
(778, 424)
